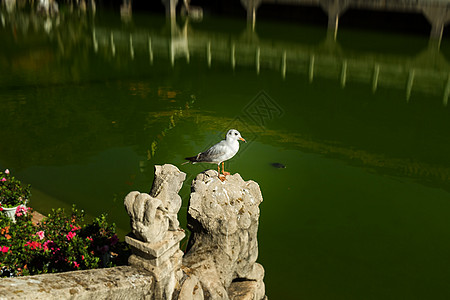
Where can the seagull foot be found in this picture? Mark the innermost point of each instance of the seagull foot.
(222, 177)
(226, 173)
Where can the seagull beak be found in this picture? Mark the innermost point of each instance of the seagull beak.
(242, 139)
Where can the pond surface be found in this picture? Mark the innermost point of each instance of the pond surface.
(88, 106)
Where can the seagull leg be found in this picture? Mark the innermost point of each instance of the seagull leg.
(221, 177)
(223, 170)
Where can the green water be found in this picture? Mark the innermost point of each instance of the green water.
(359, 212)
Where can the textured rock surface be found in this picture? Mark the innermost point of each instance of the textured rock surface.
(223, 218)
(153, 215)
(166, 185)
(113, 283)
(155, 238)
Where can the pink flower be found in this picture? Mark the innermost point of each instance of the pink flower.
(47, 244)
(33, 245)
(75, 228)
(7, 171)
(82, 257)
(21, 210)
(40, 234)
(89, 238)
(70, 235)
(4, 249)
(3, 179)
(77, 265)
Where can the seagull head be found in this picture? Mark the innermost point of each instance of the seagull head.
(234, 135)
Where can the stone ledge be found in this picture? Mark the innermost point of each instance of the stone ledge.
(155, 250)
(125, 282)
(161, 271)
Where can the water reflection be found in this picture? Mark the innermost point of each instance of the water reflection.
(426, 72)
(77, 38)
(126, 11)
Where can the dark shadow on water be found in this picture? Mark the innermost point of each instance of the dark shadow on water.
(396, 22)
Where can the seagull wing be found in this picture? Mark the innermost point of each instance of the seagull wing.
(213, 154)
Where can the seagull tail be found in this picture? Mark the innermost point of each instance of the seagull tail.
(190, 159)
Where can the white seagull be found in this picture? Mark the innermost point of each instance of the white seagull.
(220, 152)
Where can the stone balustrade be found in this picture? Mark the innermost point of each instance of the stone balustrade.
(219, 263)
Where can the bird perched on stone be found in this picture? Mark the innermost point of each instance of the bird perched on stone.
(220, 152)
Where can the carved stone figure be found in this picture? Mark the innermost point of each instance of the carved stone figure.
(153, 215)
(223, 218)
(155, 238)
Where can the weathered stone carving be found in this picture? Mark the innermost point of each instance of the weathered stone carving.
(151, 216)
(223, 218)
(166, 185)
(220, 262)
(156, 235)
(149, 222)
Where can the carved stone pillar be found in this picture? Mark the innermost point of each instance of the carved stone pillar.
(156, 235)
(220, 262)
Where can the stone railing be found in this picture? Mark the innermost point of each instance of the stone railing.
(219, 263)
(125, 282)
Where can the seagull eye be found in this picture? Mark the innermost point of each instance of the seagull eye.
(235, 133)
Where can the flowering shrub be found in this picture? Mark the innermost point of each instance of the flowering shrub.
(60, 243)
(12, 191)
